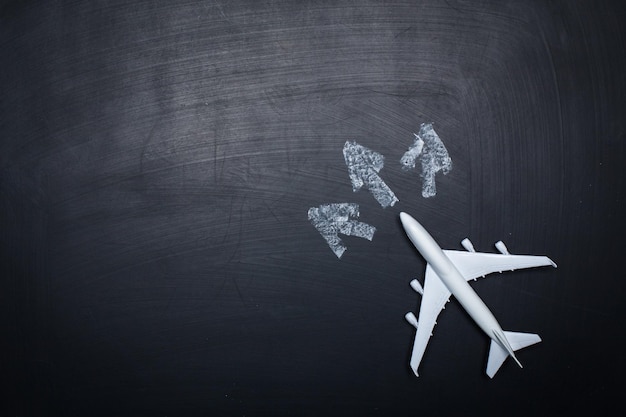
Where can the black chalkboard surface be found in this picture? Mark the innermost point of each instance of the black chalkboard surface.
(159, 161)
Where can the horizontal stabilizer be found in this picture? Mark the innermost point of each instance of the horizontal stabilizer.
(521, 340)
(497, 354)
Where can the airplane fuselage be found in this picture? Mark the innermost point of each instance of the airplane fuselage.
(454, 281)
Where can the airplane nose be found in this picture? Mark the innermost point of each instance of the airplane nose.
(422, 240)
(413, 230)
(412, 227)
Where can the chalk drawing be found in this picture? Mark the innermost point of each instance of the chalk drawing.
(332, 219)
(409, 157)
(433, 157)
(363, 167)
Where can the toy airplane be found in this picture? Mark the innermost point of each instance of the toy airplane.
(447, 273)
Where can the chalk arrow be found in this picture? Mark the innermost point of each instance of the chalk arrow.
(433, 157)
(332, 219)
(363, 167)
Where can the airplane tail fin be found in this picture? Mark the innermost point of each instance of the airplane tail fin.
(516, 341)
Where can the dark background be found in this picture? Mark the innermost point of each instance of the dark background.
(158, 159)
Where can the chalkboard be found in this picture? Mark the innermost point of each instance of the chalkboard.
(160, 160)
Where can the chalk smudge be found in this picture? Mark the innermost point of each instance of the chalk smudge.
(433, 157)
(332, 219)
(363, 167)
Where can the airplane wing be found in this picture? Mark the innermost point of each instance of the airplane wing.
(434, 298)
(473, 265)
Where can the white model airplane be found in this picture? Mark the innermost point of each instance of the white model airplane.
(447, 273)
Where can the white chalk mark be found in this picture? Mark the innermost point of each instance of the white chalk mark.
(409, 157)
(433, 157)
(363, 167)
(332, 219)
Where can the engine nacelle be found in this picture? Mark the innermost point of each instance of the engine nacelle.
(502, 247)
(410, 317)
(467, 244)
(417, 287)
